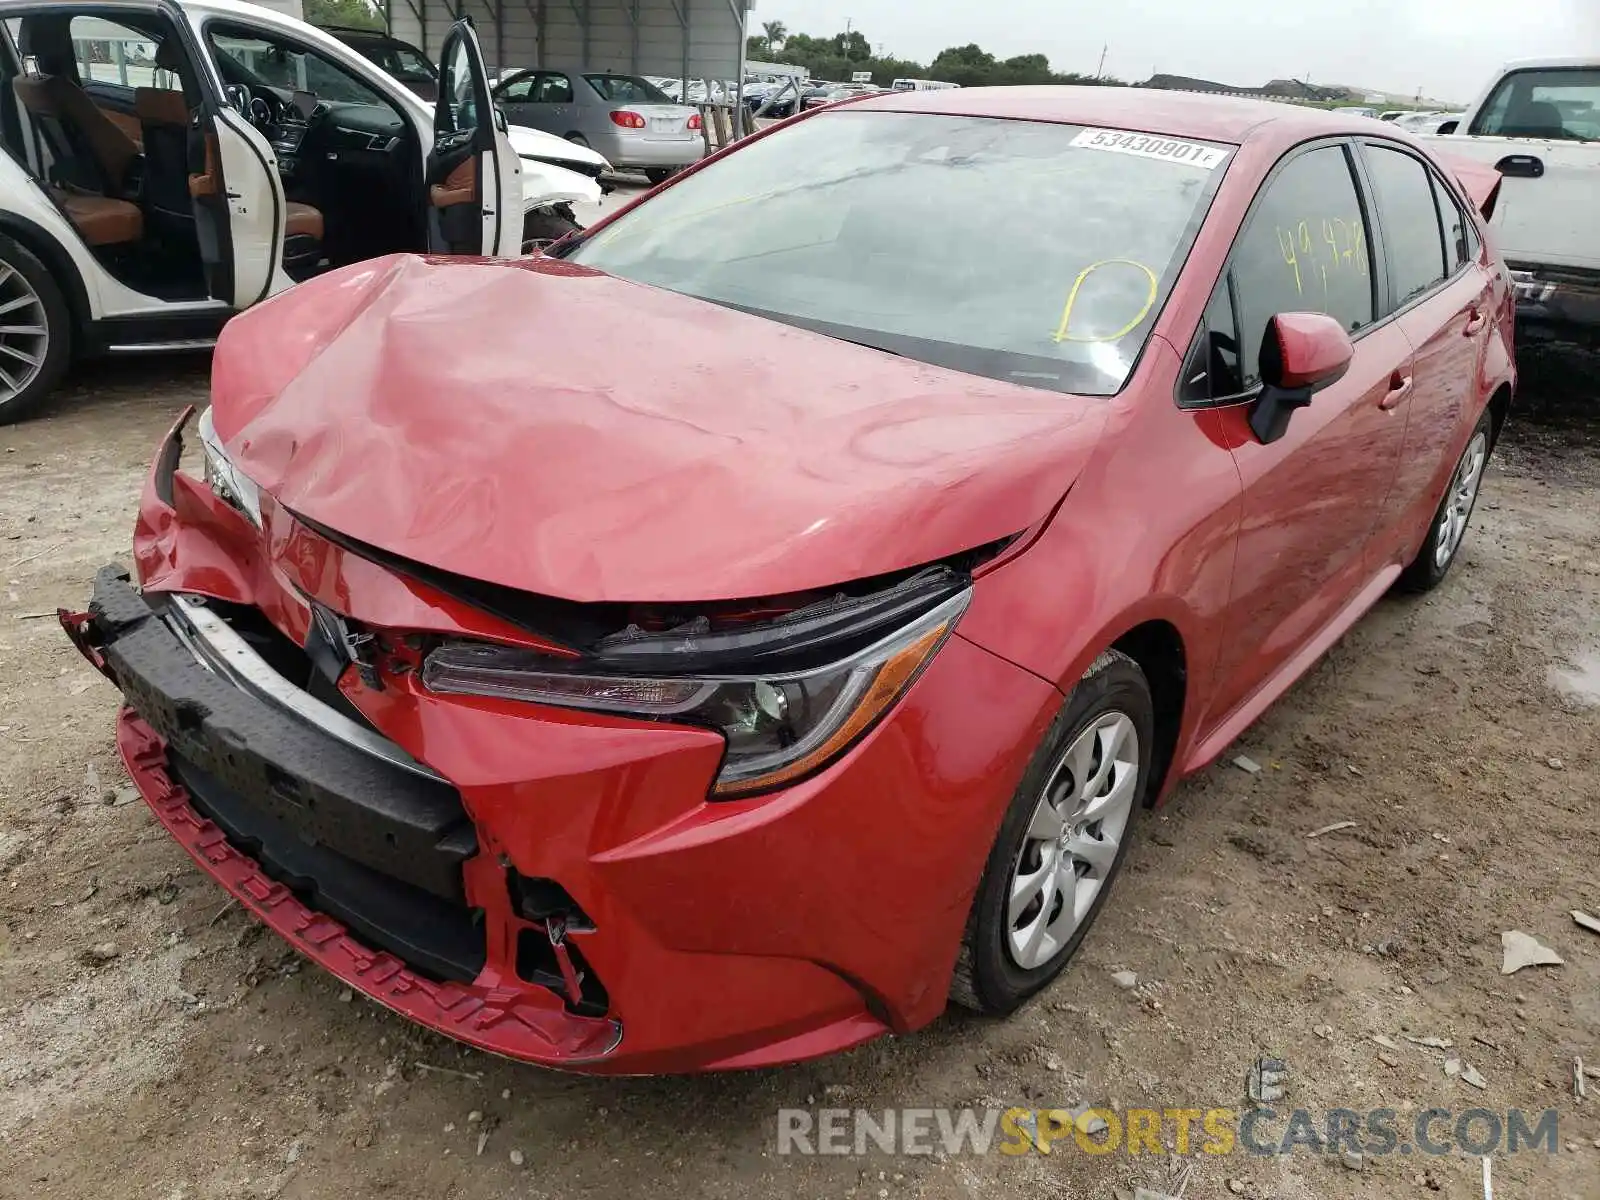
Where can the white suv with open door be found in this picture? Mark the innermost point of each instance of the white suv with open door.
(169, 164)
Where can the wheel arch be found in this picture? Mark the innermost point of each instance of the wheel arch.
(48, 249)
(1158, 647)
(1499, 410)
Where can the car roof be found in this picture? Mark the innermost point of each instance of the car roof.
(1226, 119)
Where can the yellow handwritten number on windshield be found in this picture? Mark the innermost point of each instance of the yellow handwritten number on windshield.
(1061, 334)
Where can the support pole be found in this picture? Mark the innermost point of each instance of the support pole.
(740, 14)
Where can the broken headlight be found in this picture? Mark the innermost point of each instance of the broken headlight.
(779, 727)
(227, 481)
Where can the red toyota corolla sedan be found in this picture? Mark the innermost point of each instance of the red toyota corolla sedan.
(730, 636)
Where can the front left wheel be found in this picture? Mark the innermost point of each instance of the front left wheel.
(1062, 841)
(545, 226)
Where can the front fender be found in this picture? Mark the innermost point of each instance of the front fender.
(544, 185)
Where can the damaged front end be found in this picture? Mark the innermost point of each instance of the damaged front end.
(602, 837)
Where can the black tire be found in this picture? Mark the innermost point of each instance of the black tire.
(987, 977)
(50, 312)
(660, 174)
(577, 139)
(1425, 572)
(545, 226)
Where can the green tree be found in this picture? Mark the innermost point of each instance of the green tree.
(853, 46)
(355, 13)
(838, 57)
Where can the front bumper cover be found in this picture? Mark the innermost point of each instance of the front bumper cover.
(333, 828)
(725, 935)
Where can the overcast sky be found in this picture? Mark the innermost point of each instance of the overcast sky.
(1447, 47)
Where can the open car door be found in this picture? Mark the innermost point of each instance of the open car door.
(234, 192)
(474, 177)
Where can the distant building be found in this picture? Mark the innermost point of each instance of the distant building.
(1183, 83)
(1277, 89)
(1295, 89)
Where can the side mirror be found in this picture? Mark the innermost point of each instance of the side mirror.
(1301, 353)
(500, 121)
(1449, 127)
(239, 98)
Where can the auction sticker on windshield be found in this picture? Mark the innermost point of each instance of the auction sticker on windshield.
(1193, 154)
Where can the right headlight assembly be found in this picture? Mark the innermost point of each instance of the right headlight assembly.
(780, 725)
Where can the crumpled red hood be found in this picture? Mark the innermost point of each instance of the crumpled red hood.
(553, 429)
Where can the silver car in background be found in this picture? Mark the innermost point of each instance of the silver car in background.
(628, 119)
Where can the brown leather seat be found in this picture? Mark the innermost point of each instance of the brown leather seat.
(78, 125)
(459, 187)
(100, 220)
(128, 123)
(159, 106)
(302, 220)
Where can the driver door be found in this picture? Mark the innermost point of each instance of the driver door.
(474, 176)
(234, 191)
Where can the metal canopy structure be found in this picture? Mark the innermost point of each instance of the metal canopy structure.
(680, 39)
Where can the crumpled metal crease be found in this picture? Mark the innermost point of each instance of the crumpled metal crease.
(581, 436)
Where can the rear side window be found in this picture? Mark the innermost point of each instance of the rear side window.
(1412, 239)
(111, 53)
(1559, 103)
(1305, 249)
(1460, 239)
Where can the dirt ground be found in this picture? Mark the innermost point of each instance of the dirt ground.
(154, 1042)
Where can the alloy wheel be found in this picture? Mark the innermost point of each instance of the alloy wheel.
(24, 334)
(1462, 496)
(1071, 845)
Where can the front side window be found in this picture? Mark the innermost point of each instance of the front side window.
(258, 59)
(1305, 249)
(1213, 372)
(457, 93)
(552, 89)
(518, 91)
(627, 89)
(1411, 234)
(869, 226)
(1556, 103)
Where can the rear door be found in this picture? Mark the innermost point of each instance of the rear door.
(474, 177)
(1443, 301)
(1311, 499)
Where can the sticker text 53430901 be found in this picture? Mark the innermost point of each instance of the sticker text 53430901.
(1149, 145)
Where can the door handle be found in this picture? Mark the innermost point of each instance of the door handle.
(1521, 166)
(1475, 322)
(1399, 389)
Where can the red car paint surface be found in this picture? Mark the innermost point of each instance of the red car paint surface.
(561, 432)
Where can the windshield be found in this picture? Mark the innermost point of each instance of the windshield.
(1030, 252)
(252, 59)
(627, 89)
